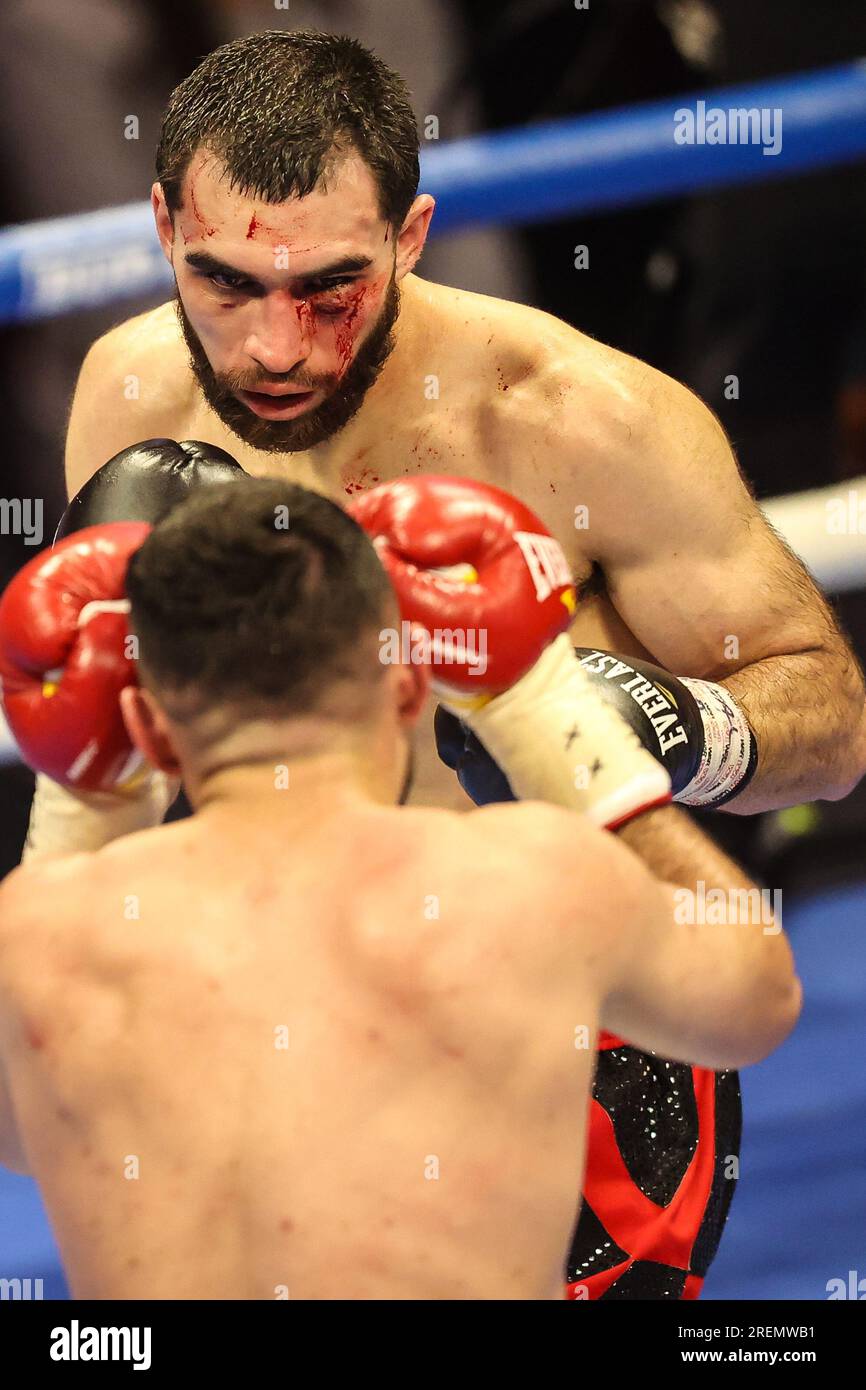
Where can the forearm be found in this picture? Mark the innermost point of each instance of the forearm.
(808, 713)
(707, 975)
(677, 851)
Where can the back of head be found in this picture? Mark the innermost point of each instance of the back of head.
(257, 599)
(278, 108)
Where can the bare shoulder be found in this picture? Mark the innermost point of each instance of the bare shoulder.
(38, 897)
(553, 396)
(51, 873)
(135, 383)
(558, 895)
(602, 397)
(545, 843)
(149, 342)
(496, 854)
(537, 861)
(499, 336)
(570, 423)
(551, 376)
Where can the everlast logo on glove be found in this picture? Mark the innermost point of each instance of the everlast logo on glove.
(474, 568)
(694, 728)
(658, 704)
(545, 561)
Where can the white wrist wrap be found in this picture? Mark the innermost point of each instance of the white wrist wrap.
(728, 745)
(558, 740)
(67, 822)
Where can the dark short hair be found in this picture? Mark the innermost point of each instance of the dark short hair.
(233, 609)
(277, 107)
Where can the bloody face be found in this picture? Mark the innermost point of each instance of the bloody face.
(287, 309)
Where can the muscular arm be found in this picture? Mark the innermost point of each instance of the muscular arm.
(715, 994)
(704, 583)
(724, 991)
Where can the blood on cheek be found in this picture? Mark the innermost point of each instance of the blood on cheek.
(348, 327)
(344, 316)
(306, 318)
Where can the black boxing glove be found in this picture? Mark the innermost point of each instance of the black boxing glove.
(145, 481)
(694, 728)
(141, 483)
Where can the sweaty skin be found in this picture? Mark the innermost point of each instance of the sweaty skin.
(628, 468)
(307, 1045)
(144, 988)
(282, 1074)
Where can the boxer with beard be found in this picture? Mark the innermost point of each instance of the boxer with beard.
(341, 396)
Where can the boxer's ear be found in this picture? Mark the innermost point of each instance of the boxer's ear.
(148, 728)
(413, 684)
(163, 219)
(413, 234)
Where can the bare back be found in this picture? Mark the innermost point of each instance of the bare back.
(246, 1067)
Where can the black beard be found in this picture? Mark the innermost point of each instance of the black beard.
(314, 427)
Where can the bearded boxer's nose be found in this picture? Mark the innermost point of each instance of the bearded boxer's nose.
(283, 335)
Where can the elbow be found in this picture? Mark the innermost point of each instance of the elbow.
(777, 1013)
(844, 784)
(858, 759)
(852, 768)
(785, 1013)
(851, 764)
(764, 1007)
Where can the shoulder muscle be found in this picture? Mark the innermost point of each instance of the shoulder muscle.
(131, 386)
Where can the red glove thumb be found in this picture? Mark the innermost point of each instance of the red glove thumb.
(64, 657)
(472, 563)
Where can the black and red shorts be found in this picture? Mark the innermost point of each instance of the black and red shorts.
(662, 1156)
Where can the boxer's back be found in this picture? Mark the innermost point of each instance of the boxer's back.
(336, 1066)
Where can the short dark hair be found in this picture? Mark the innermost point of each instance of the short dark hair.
(235, 610)
(278, 107)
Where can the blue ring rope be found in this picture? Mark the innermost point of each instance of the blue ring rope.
(536, 173)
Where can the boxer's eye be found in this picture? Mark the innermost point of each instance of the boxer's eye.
(222, 280)
(323, 286)
(327, 294)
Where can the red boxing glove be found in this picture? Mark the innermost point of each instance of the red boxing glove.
(64, 658)
(476, 569)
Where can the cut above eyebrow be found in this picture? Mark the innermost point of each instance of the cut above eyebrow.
(211, 265)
